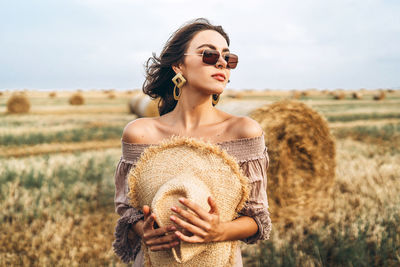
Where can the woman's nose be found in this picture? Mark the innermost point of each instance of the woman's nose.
(221, 63)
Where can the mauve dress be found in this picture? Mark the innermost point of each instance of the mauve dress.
(252, 157)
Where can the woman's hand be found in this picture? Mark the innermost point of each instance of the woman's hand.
(205, 227)
(162, 238)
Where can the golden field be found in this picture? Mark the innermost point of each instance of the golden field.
(58, 160)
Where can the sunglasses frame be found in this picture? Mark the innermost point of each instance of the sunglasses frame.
(212, 51)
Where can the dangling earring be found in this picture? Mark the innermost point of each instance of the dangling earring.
(215, 99)
(179, 81)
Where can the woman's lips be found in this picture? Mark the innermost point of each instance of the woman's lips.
(219, 77)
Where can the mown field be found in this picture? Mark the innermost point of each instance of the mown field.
(56, 183)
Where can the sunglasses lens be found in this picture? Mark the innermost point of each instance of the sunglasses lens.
(232, 60)
(210, 56)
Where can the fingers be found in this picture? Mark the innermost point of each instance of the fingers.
(191, 239)
(194, 207)
(213, 205)
(161, 240)
(149, 222)
(149, 234)
(163, 246)
(190, 227)
(146, 211)
(190, 217)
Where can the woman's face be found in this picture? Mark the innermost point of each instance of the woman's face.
(211, 79)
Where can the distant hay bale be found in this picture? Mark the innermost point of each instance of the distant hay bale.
(76, 99)
(18, 103)
(302, 158)
(380, 96)
(339, 95)
(357, 95)
(1, 93)
(143, 106)
(306, 93)
(296, 95)
(234, 94)
(52, 94)
(325, 92)
(111, 95)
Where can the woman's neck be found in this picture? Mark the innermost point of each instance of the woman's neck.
(193, 111)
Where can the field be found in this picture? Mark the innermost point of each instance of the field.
(56, 182)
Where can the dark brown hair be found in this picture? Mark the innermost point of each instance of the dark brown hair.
(159, 72)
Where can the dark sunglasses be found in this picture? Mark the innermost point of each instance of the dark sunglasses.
(211, 57)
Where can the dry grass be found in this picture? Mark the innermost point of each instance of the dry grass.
(23, 151)
(67, 224)
(18, 103)
(302, 156)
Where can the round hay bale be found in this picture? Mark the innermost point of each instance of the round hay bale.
(133, 103)
(380, 96)
(143, 106)
(18, 103)
(76, 99)
(306, 93)
(357, 95)
(1, 93)
(52, 94)
(111, 95)
(339, 96)
(302, 158)
(296, 95)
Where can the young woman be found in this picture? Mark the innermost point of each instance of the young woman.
(189, 76)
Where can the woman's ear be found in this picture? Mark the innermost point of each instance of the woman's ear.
(176, 69)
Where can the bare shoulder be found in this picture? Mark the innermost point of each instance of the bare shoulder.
(246, 127)
(138, 131)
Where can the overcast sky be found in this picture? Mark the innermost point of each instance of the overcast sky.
(285, 44)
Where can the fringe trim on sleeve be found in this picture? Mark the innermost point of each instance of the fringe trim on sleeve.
(122, 245)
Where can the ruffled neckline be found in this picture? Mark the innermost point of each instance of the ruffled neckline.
(240, 140)
(243, 149)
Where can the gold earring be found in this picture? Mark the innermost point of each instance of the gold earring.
(215, 99)
(179, 81)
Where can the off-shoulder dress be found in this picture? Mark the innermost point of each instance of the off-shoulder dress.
(252, 157)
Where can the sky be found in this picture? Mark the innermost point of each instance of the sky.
(285, 44)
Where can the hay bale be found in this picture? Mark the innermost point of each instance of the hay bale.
(302, 158)
(77, 99)
(18, 103)
(143, 106)
(296, 95)
(52, 94)
(357, 95)
(1, 93)
(306, 93)
(339, 95)
(111, 95)
(380, 96)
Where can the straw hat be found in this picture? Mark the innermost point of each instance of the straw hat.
(191, 168)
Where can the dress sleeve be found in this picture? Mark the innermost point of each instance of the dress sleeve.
(257, 205)
(127, 243)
